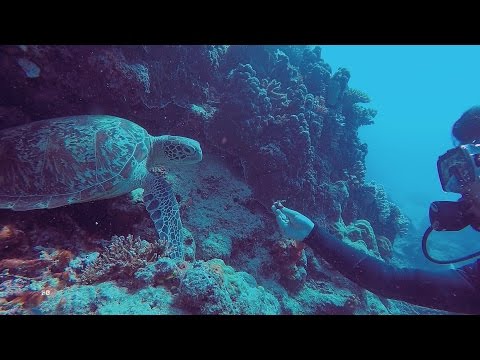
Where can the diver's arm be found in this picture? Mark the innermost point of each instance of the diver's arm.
(451, 290)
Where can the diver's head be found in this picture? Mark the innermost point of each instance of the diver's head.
(459, 168)
(467, 128)
(459, 172)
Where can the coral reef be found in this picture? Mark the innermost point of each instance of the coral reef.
(385, 247)
(216, 246)
(337, 86)
(291, 260)
(108, 299)
(164, 270)
(361, 232)
(275, 122)
(214, 288)
(370, 202)
(123, 257)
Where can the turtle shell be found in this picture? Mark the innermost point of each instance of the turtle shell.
(50, 163)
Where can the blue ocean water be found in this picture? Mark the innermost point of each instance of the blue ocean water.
(419, 92)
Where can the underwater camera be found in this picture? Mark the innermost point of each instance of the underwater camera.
(459, 172)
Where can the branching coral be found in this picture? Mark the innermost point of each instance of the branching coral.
(122, 257)
(273, 88)
(354, 96)
(362, 116)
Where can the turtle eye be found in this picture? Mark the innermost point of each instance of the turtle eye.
(188, 150)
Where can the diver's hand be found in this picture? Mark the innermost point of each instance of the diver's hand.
(292, 224)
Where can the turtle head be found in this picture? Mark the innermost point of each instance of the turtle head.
(174, 150)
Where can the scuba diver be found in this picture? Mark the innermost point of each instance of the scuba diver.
(454, 290)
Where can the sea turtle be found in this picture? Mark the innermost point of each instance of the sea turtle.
(69, 160)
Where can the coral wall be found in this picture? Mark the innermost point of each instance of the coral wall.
(277, 119)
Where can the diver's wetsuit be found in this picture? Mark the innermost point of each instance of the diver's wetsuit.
(456, 290)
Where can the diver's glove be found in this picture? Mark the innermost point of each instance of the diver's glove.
(292, 224)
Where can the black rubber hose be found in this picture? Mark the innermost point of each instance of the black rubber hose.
(442, 262)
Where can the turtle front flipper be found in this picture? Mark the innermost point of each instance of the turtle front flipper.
(164, 211)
